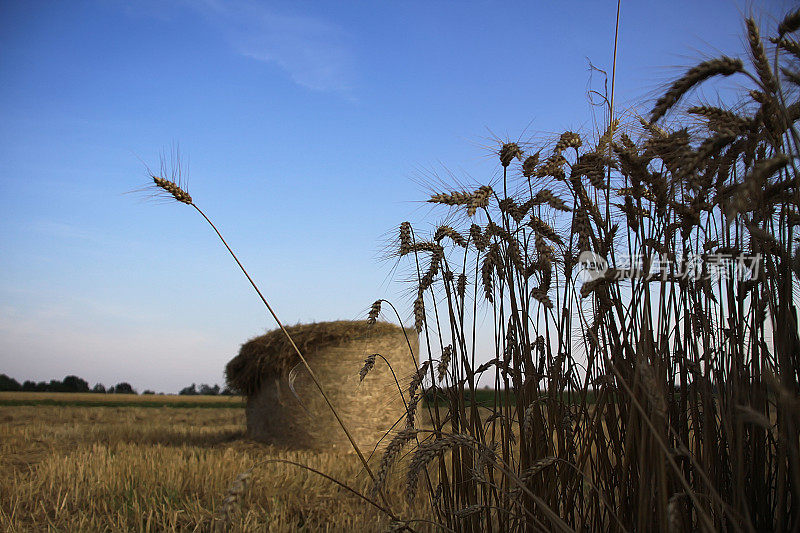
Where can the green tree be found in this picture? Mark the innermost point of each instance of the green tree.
(123, 388)
(75, 384)
(9, 384)
(189, 391)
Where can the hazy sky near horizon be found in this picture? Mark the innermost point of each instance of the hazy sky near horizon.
(310, 130)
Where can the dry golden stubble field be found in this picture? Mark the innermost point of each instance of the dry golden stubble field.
(129, 468)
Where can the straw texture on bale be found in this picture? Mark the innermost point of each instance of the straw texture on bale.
(285, 408)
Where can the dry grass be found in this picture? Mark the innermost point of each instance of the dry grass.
(162, 469)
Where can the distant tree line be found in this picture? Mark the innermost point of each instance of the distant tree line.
(68, 384)
(76, 384)
(205, 390)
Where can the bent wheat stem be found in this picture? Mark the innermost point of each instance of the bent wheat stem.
(180, 195)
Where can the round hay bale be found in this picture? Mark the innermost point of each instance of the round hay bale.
(285, 408)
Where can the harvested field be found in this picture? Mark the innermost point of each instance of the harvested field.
(80, 399)
(78, 468)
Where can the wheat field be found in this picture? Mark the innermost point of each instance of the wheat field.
(82, 468)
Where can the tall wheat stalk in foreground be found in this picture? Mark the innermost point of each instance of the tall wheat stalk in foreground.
(168, 183)
(660, 394)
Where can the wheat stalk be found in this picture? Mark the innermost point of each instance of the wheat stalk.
(724, 66)
(178, 193)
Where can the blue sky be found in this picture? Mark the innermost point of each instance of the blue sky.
(308, 128)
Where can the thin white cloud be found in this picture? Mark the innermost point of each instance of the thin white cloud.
(314, 53)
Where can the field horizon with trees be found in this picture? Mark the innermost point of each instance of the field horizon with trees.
(72, 383)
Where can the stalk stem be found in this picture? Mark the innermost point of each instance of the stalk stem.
(611, 111)
(302, 359)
